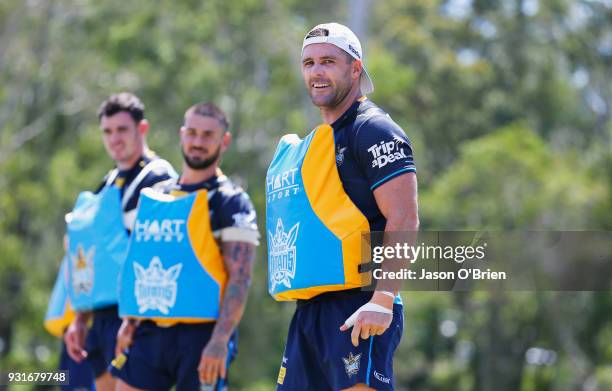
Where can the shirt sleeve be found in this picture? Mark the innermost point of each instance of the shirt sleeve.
(238, 220)
(383, 150)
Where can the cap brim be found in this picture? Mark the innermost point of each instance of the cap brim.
(365, 82)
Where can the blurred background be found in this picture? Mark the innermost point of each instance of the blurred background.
(507, 104)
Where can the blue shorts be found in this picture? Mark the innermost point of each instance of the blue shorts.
(101, 339)
(161, 357)
(79, 374)
(318, 356)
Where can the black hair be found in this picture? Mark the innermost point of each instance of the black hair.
(123, 101)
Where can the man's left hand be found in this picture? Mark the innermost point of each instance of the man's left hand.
(373, 318)
(212, 362)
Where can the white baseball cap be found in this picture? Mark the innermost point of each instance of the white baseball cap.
(342, 37)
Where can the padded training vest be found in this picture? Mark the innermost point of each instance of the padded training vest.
(313, 228)
(174, 269)
(59, 312)
(96, 249)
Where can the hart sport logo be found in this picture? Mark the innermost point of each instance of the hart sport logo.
(282, 185)
(157, 230)
(155, 288)
(282, 254)
(83, 270)
(387, 152)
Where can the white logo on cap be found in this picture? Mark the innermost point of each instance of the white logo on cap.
(354, 50)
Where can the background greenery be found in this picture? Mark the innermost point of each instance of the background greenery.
(507, 103)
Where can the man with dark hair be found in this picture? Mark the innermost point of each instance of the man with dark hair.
(353, 174)
(123, 101)
(98, 229)
(184, 285)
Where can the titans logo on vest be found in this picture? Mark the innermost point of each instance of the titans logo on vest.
(282, 254)
(156, 230)
(387, 152)
(155, 288)
(282, 185)
(83, 270)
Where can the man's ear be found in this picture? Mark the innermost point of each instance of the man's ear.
(356, 69)
(227, 140)
(143, 127)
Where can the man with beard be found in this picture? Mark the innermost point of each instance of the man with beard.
(180, 323)
(354, 173)
(94, 239)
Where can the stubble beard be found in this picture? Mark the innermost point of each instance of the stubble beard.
(201, 164)
(334, 98)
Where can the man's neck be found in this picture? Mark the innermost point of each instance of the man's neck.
(190, 176)
(331, 114)
(129, 164)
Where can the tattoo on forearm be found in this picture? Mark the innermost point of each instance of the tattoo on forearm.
(238, 257)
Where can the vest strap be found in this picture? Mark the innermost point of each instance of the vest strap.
(152, 165)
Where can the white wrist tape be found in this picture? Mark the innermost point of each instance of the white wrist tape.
(387, 293)
(371, 307)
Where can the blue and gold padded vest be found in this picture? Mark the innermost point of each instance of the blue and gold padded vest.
(313, 228)
(174, 269)
(59, 312)
(97, 245)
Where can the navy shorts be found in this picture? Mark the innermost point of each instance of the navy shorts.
(161, 357)
(79, 374)
(101, 339)
(318, 356)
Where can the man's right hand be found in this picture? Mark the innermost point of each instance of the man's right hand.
(125, 335)
(75, 337)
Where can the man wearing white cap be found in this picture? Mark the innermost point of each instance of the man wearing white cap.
(374, 162)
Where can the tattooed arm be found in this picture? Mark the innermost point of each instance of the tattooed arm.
(238, 258)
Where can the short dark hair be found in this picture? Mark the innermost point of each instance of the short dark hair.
(208, 109)
(123, 101)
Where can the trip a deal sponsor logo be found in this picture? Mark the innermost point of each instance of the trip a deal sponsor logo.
(386, 152)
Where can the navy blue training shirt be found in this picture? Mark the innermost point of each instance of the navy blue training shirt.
(371, 149)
